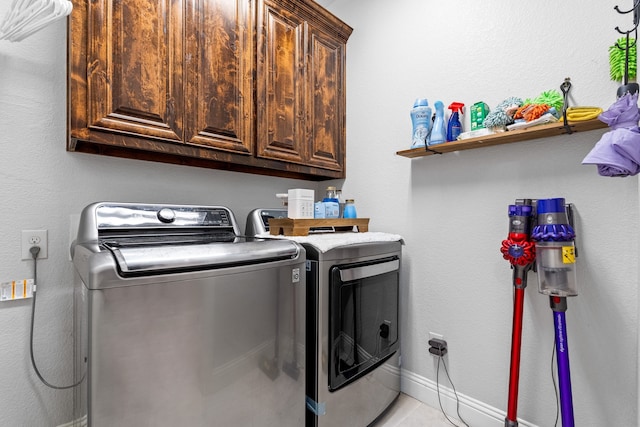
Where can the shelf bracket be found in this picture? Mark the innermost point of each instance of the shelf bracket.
(429, 150)
(565, 87)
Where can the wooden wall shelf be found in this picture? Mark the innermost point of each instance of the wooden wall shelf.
(541, 131)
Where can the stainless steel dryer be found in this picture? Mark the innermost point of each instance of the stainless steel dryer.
(182, 322)
(353, 341)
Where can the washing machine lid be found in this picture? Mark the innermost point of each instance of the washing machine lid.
(145, 259)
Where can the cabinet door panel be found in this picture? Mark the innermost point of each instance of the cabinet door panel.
(134, 70)
(327, 109)
(218, 71)
(280, 89)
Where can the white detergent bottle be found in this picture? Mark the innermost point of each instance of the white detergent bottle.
(421, 121)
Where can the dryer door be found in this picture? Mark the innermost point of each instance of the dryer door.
(363, 321)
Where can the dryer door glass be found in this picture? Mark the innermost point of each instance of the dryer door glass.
(363, 318)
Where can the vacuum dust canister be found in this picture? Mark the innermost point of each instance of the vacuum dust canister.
(555, 249)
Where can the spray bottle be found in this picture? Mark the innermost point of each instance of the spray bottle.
(454, 128)
(421, 121)
(438, 133)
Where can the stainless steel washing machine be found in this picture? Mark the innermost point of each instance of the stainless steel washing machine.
(180, 321)
(353, 341)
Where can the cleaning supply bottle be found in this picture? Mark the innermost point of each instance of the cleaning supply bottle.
(340, 202)
(438, 133)
(454, 128)
(421, 121)
(350, 209)
(331, 203)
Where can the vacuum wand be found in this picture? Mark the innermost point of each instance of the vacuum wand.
(559, 307)
(519, 250)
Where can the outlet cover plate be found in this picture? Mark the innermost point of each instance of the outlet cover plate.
(433, 335)
(34, 238)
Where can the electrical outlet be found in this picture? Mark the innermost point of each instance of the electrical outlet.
(437, 347)
(32, 238)
(439, 338)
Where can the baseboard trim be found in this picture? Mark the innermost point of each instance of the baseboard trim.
(474, 412)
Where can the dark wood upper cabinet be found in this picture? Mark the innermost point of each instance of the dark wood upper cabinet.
(243, 85)
(300, 88)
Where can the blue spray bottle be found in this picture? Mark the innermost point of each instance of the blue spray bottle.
(438, 133)
(454, 128)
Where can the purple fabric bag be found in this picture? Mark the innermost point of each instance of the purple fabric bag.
(618, 151)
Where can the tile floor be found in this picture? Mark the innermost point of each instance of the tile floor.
(409, 412)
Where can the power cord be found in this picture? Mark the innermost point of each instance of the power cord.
(440, 358)
(35, 250)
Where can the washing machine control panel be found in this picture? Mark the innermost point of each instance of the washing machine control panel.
(132, 216)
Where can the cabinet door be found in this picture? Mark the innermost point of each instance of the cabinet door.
(129, 80)
(218, 75)
(281, 84)
(326, 110)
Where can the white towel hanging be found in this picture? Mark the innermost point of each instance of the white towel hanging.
(29, 16)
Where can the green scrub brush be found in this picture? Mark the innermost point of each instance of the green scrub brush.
(552, 98)
(618, 59)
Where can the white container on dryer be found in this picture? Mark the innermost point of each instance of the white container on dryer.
(300, 203)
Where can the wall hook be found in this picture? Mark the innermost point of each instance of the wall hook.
(627, 87)
(565, 87)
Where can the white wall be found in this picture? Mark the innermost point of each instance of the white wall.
(452, 209)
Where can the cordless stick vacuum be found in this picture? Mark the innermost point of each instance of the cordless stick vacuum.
(519, 250)
(555, 263)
